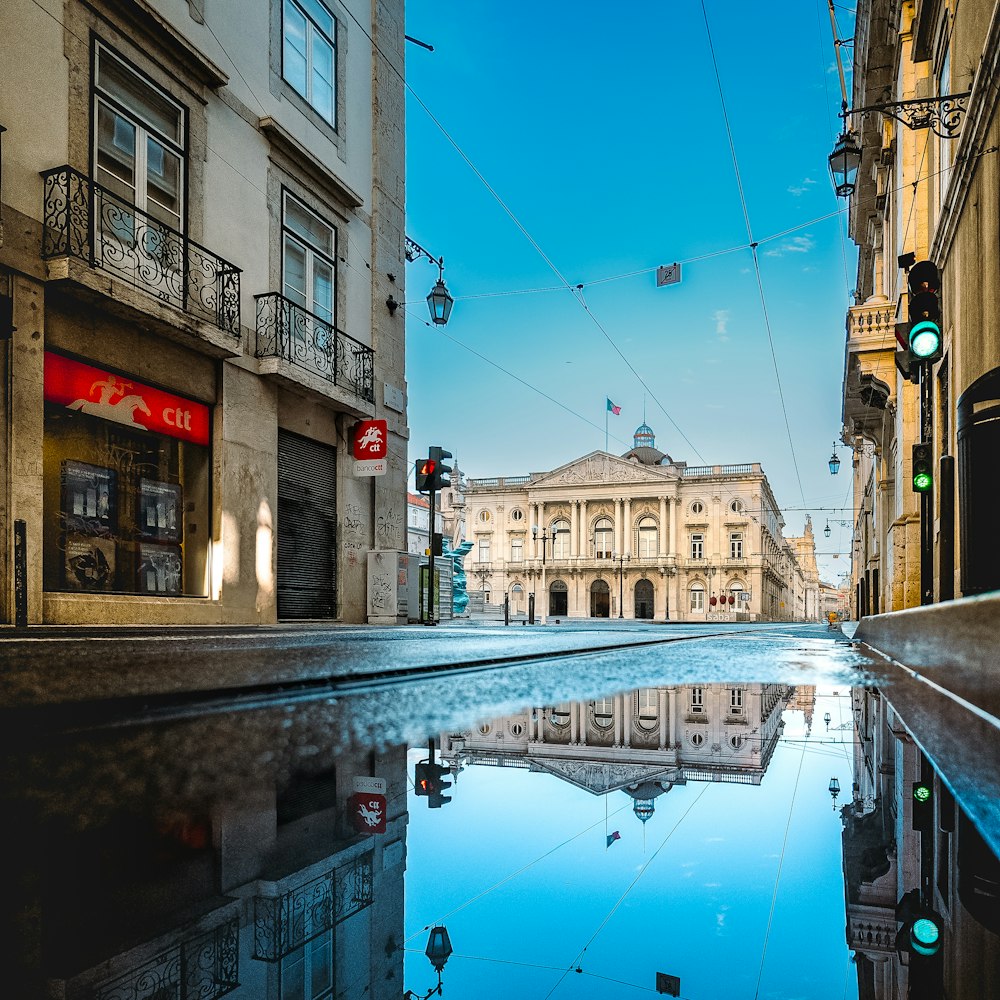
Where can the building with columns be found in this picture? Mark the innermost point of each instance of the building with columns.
(636, 536)
(641, 742)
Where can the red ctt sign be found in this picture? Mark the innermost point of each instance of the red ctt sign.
(124, 401)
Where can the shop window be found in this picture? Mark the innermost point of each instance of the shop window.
(126, 485)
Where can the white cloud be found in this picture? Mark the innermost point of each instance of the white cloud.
(800, 189)
(797, 244)
(721, 317)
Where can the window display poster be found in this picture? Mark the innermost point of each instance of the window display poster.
(89, 498)
(160, 510)
(160, 569)
(89, 563)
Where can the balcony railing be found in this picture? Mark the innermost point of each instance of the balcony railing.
(86, 221)
(285, 330)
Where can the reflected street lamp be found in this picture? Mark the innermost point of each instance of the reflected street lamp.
(438, 952)
(834, 789)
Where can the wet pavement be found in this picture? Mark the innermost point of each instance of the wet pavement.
(620, 803)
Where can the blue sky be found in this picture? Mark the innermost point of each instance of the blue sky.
(602, 130)
(722, 863)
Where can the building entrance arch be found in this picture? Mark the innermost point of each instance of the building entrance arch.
(644, 596)
(558, 598)
(600, 599)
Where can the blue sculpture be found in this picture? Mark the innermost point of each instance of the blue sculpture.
(459, 591)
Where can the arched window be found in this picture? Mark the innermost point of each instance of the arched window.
(604, 713)
(560, 546)
(647, 707)
(647, 538)
(697, 597)
(560, 715)
(604, 538)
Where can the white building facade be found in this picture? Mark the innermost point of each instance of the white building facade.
(635, 536)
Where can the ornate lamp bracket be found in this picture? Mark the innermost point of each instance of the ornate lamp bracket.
(944, 116)
(414, 251)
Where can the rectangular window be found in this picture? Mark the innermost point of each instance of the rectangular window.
(126, 471)
(697, 700)
(307, 972)
(736, 701)
(736, 545)
(139, 146)
(309, 249)
(698, 546)
(309, 54)
(517, 550)
(697, 599)
(484, 550)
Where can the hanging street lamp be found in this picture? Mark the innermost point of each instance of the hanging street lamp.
(440, 301)
(834, 461)
(438, 952)
(844, 163)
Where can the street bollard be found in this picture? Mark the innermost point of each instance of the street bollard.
(506, 610)
(531, 609)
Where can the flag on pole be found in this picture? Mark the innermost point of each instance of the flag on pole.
(614, 409)
(612, 837)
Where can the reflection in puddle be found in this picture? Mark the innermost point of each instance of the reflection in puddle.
(681, 835)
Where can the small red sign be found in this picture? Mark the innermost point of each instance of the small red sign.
(371, 439)
(368, 812)
(124, 401)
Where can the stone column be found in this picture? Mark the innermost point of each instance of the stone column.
(626, 706)
(627, 527)
(619, 503)
(672, 714)
(574, 724)
(619, 719)
(574, 528)
(664, 533)
(584, 539)
(664, 711)
(581, 736)
(675, 541)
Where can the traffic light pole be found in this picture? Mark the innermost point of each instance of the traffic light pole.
(927, 498)
(430, 617)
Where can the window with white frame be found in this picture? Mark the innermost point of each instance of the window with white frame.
(698, 700)
(648, 539)
(698, 546)
(736, 701)
(139, 138)
(604, 538)
(604, 712)
(560, 544)
(647, 707)
(697, 597)
(517, 550)
(309, 54)
(517, 514)
(697, 507)
(737, 506)
(736, 545)
(309, 249)
(484, 550)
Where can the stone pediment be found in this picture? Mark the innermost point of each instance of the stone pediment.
(599, 777)
(599, 468)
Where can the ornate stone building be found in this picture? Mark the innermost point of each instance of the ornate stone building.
(640, 742)
(634, 536)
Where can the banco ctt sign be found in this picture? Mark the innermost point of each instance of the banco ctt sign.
(371, 448)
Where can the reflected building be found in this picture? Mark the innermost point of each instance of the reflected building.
(208, 859)
(640, 742)
(886, 858)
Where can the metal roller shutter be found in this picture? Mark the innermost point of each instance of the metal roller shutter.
(307, 528)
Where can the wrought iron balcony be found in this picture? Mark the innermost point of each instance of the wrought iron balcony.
(89, 222)
(284, 923)
(201, 968)
(287, 331)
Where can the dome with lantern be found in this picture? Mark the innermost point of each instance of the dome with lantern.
(644, 450)
(644, 795)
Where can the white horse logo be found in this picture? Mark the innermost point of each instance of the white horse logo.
(372, 438)
(121, 410)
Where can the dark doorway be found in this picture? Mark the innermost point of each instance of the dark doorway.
(600, 599)
(644, 599)
(558, 598)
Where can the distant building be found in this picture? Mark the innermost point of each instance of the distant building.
(638, 536)
(418, 519)
(641, 742)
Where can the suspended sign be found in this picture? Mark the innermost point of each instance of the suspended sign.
(123, 400)
(371, 448)
(668, 274)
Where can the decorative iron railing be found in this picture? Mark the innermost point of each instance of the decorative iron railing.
(286, 330)
(202, 968)
(89, 222)
(745, 469)
(284, 923)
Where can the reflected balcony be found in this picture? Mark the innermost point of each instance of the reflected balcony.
(301, 347)
(195, 291)
(870, 369)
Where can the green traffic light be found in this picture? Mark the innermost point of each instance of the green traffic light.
(925, 936)
(922, 482)
(922, 793)
(925, 339)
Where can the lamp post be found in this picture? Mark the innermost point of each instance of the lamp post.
(620, 559)
(439, 301)
(545, 538)
(483, 574)
(438, 952)
(834, 462)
